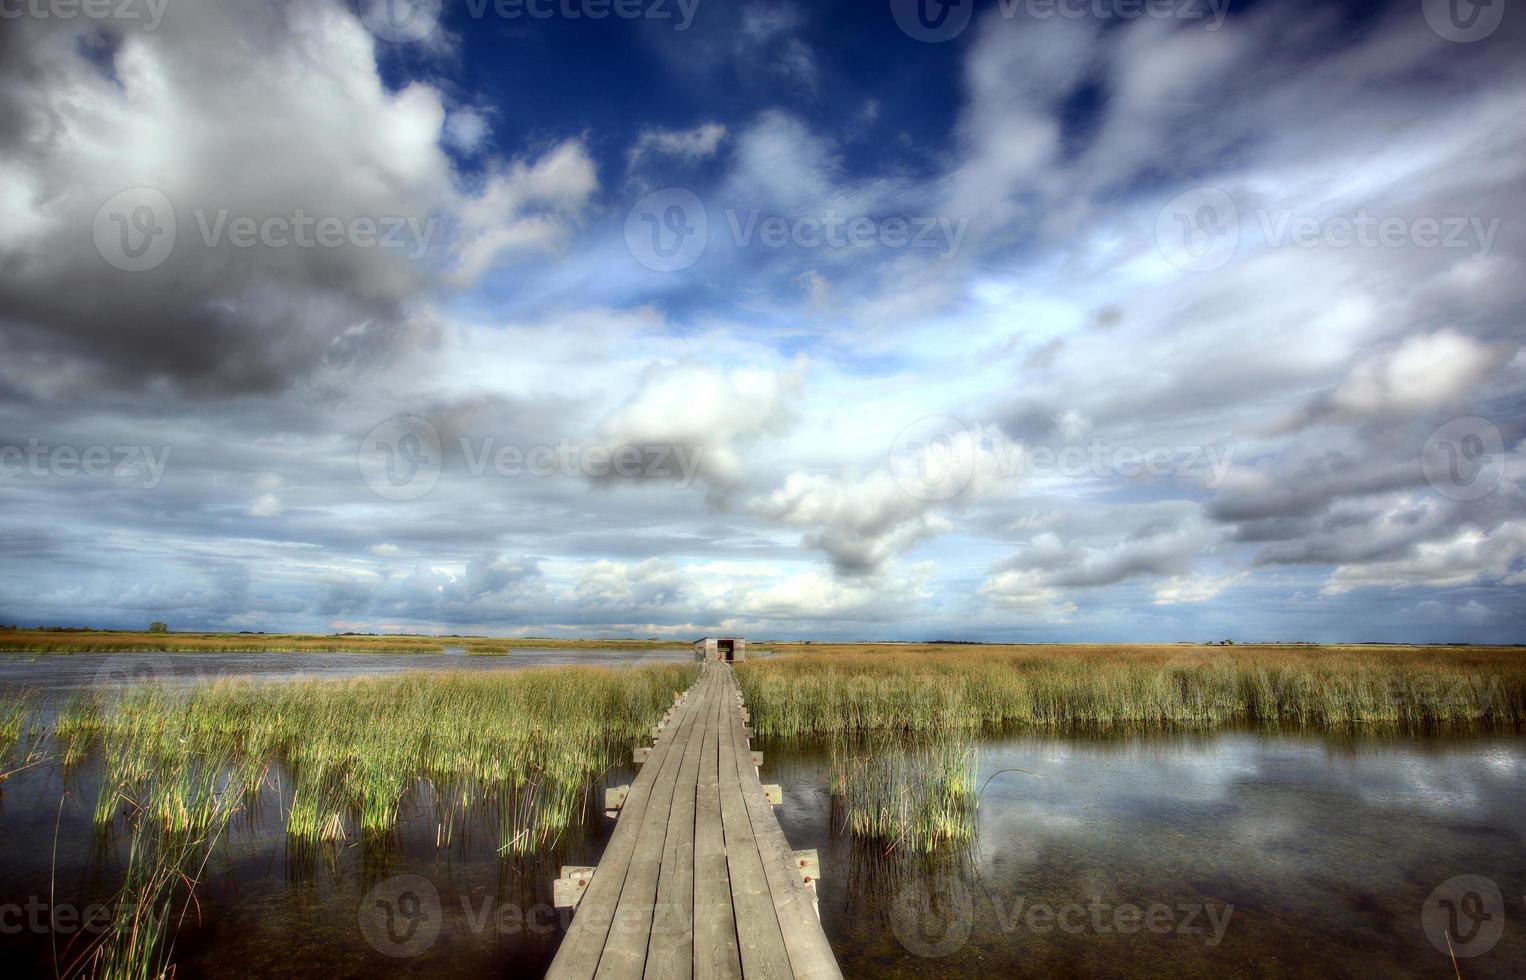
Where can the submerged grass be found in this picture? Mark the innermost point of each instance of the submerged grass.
(526, 744)
(179, 764)
(1121, 689)
(19, 737)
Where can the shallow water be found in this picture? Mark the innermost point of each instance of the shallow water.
(1228, 854)
(1206, 856)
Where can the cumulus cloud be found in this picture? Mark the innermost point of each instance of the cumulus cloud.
(524, 207)
(861, 521)
(859, 524)
(1193, 588)
(706, 416)
(684, 145)
(643, 586)
(1024, 594)
(1151, 550)
(1419, 374)
(1468, 556)
(292, 124)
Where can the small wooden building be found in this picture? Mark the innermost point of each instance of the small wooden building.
(724, 648)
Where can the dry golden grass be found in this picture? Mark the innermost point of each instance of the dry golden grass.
(846, 688)
(113, 641)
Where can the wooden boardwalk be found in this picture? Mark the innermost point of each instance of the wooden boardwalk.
(698, 879)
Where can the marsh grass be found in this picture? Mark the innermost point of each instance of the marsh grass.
(524, 746)
(20, 739)
(913, 795)
(112, 641)
(164, 863)
(1118, 689)
(903, 719)
(178, 765)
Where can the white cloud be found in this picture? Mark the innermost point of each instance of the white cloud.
(1421, 373)
(1023, 593)
(467, 129)
(1193, 588)
(712, 414)
(525, 207)
(684, 145)
(859, 524)
(1469, 556)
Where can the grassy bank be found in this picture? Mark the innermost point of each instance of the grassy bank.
(113, 641)
(824, 690)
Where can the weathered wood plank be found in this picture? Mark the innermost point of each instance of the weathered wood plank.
(578, 956)
(757, 923)
(625, 947)
(715, 939)
(810, 954)
(698, 880)
(670, 954)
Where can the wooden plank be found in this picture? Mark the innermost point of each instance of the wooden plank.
(810, 954)
(670, 955)
(625, 947)
(698, 879)
(759, 940)
(715, 939)
(578, 956)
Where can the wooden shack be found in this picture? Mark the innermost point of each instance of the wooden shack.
(727, 649)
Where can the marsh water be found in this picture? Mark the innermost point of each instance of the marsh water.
(53, 677)
(1227, 854)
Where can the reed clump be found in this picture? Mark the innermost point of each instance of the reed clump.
(910, 795)
(525, 745)
(1121, 689)
(19, 736)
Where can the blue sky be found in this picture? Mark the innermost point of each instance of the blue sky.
(1008, 321)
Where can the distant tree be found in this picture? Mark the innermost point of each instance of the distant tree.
(157, 627)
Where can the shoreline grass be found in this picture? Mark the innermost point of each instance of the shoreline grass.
(46, 641)
(1120, 689)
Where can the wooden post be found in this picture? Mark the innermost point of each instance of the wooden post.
(568, 890)
(809, 864)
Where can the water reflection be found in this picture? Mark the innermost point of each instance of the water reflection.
(1190, 855)
(1180, 856)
